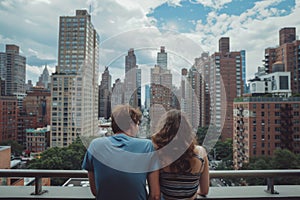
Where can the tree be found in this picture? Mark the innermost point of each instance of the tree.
(67, 158)
(224, 150)
(70, 157)
(282, 159)
(16, 148)
(201, 133)
(285, 159)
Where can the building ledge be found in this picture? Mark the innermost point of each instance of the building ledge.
(84, 193)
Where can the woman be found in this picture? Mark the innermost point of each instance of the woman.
(185, 169)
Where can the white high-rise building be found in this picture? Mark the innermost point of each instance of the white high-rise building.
(74, 88)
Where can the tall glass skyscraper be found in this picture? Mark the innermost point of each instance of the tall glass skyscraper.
(74, 88)
(12, 71)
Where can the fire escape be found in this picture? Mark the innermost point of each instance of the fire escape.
(240, 138)
(286, 129)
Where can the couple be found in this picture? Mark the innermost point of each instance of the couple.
(173, 165)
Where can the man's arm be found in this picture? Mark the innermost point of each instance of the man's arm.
(92, 182)
(153, 184)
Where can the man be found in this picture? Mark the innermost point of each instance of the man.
(118, 166)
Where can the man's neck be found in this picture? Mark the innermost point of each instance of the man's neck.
(128, 133)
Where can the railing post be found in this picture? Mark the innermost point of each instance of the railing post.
(38, 186)
(270, 186)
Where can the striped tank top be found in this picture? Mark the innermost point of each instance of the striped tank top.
(179, 185)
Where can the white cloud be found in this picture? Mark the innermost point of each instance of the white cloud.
(34, 72)
(215, 4)
(120, 24)
(174, 3)
(253, 31)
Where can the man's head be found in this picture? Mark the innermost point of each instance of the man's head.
(124, 117)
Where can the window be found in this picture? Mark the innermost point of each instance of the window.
(283, 85)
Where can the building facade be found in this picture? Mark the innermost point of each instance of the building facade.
(12, 71)
(190, 95)
(202, 64)
(38, 103)
(161, 97)
(287, 53)
(117, 96)
(132, 81)
(105, 95)
(262, 125)
(37, 140)
(74, 89)
(225, 82)
(9, 113)
(162, 58)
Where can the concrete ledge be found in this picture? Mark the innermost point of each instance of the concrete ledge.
(83, 193)
(52, 192)
(253, 192)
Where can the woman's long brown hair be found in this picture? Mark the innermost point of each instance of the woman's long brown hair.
(173, 124)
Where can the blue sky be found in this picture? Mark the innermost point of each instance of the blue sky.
(186, 28)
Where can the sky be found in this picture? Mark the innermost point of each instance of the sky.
(185, 27)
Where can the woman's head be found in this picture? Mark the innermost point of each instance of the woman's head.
(123, 117)
(175, 128)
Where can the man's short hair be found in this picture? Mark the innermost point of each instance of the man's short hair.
(123, 116)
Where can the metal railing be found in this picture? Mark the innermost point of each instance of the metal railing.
(39, 174)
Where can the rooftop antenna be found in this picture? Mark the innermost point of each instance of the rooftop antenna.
(90, 9)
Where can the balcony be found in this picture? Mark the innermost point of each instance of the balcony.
(227, 192)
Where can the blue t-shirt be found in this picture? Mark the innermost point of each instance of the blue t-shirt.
(120, 164)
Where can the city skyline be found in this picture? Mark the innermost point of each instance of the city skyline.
(143, 25)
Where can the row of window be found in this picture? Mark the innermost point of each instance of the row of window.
(277, 105)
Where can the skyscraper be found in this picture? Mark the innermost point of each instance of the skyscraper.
(202, 65)
(44, 79)
(105, 95)
(74, 88)
(225, 82)
(132, 82)
(162, 58)
(12, 71)
(161, 96)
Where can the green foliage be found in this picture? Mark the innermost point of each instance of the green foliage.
(16, 148)
(223, 150)
(282, 159)
(285, 159)
(68, 158)
(201, 133)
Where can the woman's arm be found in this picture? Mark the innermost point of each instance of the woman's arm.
(92, 182)
(204, 179)
(153, 184)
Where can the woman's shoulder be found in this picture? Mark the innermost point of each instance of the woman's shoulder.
(200, 151)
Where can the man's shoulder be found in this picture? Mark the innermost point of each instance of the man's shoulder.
(99, 140)
(143, 140)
